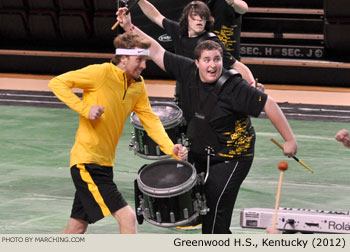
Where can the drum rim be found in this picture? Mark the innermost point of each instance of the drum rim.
(170, 191)
(171, 224)
(167, 125)
(150, 157)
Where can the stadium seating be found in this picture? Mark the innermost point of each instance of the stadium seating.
(82, 5)
(42, 5)
(337, 26)
(74, 25)
(13, 4)
(43, 25)
(105, 5)
(14, 24)
(336, 8)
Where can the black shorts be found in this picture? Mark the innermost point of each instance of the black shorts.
(96, 195)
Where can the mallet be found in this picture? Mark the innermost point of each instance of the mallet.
(126, 13)
(294, 157)
(282, 166)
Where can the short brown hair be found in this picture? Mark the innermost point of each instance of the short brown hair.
(206, 45)
(129, 40)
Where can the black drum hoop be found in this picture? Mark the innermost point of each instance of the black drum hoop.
(170, 224)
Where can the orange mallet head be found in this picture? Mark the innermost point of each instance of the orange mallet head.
(283, 166)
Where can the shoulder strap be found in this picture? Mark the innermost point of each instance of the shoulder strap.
(213, 96)
(206, 36)
(222, 80)
(194, 95)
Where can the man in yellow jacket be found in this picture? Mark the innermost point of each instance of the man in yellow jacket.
(111, 92)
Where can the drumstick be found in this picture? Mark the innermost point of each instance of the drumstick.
(126, 13)
(282, 166)
(115, 25)
(294, 157)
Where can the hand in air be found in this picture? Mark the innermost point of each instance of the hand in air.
(260, 87)
(123, 18)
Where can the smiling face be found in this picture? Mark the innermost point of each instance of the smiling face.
(133, 66)
(209, 65)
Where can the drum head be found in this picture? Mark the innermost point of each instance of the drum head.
(168, 113)
(166, 178)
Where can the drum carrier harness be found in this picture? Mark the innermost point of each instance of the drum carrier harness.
(203, 140)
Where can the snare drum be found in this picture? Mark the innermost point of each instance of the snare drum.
(168, 194)
(171, 117)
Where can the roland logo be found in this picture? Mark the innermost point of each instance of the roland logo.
(339, 226)
(164, 38)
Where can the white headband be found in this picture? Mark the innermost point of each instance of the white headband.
(136, 51)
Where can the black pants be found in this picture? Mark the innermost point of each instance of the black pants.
(221, 190)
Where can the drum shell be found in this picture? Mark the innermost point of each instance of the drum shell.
(172, 205)
(183, 208)
(143, 145)
(153, 152)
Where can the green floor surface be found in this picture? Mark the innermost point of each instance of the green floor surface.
(36, 191)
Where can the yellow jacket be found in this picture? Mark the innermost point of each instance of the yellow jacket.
(106, 85)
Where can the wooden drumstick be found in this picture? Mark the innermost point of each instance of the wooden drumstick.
(115, 25)
(282, 166)
(294, 157)
(126, 13)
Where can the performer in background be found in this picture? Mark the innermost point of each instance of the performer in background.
(219, 124)
(194, 26)
(228, 22)
(343, 137)
(111, 92)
